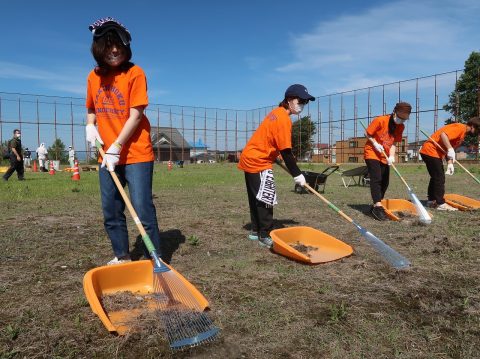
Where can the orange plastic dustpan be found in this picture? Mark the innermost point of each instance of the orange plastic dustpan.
(395, 207)
(463, 203)
(135, 277)
(316, 246)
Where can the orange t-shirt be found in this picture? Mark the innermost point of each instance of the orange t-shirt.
(378, 129)
(455, 133)
(273, 135)
(112, 97)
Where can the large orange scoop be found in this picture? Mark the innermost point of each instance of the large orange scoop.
(135, 277)
(463, 203)
(308, 245)
(397, 209)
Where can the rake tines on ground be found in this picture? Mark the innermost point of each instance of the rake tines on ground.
(185, 323)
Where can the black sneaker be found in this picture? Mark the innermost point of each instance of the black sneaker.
(379, 213)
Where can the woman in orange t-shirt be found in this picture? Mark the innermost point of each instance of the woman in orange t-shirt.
(384, 131)
(272, 138)
(448, 137)
(116, 100)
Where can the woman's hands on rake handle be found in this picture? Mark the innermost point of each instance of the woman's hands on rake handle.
(377, 146)
(300, 180)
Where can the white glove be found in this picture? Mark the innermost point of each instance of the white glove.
(93, 135)
(450, 169)
(112, 156)
(451, 154)
(300, 180)
(390, 160)
(378, 146)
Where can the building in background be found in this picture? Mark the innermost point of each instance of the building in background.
(169, 144)
(351, 150)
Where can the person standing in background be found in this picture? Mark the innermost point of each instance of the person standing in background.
(71, 156)
(27, 156)
(42, 155)
(16, 159)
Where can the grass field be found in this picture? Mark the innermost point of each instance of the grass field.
(266, 305)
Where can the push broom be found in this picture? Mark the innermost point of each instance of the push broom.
(186, 325)
(390, 255)
(458, 163)
(423, 215)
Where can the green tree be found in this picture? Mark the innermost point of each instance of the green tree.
(463, 102)
(57, 151)
(302, 134)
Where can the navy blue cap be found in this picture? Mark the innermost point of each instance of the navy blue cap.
(299, 91)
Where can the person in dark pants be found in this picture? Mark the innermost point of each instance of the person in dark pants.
(448, 137)
(27, 156)
(272, 138)
(16, 159)
(383, 132)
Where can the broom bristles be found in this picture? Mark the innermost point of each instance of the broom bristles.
(185, 323)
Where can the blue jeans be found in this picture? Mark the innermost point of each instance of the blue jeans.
(138, 177)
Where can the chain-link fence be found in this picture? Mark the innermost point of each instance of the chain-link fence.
(199, 134)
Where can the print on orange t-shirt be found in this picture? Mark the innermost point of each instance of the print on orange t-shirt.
(378, 129)
(112, 97)
(273, 135)
(455, 133)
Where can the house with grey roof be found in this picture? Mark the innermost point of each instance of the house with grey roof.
(169, 144)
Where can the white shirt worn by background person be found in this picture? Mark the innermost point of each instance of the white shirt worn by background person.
(71, 157)
(42, 155)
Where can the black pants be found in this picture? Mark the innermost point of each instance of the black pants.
(15, 165)
(436, 186)
(261, 215)
(379, 174)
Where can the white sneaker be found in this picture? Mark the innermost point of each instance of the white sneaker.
(266, 242)
(446, 207)
(118, 261)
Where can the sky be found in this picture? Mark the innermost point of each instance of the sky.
(238, 54)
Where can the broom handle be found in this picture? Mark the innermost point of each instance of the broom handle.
(146, 239)
(385, 154)
(329, 204)
(441, 148)
(389, 254)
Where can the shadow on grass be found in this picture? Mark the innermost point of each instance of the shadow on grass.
(362, 208)
(277, 224)
(170, 242)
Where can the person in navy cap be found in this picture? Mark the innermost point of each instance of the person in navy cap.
(272, 138)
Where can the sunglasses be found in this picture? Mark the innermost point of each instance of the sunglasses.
(302, 101)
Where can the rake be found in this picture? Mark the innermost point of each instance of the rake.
(423, 215)
(390, 255)
(185, 323)
(458, 163)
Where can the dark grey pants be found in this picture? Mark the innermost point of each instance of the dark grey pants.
(261, 215)
(14, 166)
(436, 186)
(379, 174)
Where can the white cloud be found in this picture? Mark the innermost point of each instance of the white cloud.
(390, 42)
(66, 80)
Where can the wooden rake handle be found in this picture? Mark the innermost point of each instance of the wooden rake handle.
(330, 204)
(124, 195)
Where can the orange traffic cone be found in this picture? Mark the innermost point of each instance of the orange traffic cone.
(76, 172)
(52, 169)
(35, 169)
(169, 165)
